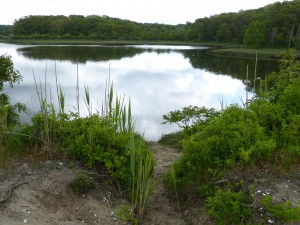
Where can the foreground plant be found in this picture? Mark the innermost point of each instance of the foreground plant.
(284, 212)
(105, 139)
(141, 165)
(83, 182)
(230, 206)
(10, 136)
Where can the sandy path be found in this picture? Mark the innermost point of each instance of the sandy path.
(161, 210)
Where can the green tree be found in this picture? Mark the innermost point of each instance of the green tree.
(8, 112)
(5, 29)
(255, 35)
(224, 32)
(7, 72)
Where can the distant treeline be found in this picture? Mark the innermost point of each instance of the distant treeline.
(5, 29)
(95, 27)
(275, 25)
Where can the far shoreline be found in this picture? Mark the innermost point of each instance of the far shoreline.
(218, 48)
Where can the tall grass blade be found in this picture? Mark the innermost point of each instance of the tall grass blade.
(58, 89)
(37, 90)
(77, 90)
(61, 100)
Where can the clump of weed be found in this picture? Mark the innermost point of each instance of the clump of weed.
(231, 206)
(282, 211)
(226, 207)
(125, 213)
(82, 183)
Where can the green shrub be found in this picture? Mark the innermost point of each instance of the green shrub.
(83, 182)
(266, 129)
(206, 190)
(124, 213)
(172, 140)
(263, 150)
(228, 207)
(218, 144)
(285, 211)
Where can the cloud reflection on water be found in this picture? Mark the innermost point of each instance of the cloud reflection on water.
(156, 83)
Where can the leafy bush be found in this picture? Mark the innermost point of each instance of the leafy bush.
(263, 150)
(83, 182)
(217, 145)
(10, 138)
(285, 211)
(266, 129)
(228, 207)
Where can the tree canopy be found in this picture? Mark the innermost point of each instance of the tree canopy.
(5, 29)
(275, 25)
(95, 27)
(7, 72)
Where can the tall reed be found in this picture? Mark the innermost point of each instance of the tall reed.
(141, 159)
(141, 165)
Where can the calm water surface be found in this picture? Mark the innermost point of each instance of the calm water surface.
(157, 79)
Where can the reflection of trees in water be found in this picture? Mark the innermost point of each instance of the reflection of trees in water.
(82, 53)
(235, 67)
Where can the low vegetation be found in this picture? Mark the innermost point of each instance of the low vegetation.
(262, 131)
(82, 183)
(105, 139)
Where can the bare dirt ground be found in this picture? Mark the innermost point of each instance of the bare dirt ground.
(39, 193)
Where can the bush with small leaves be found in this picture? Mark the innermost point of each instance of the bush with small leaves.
(83, 182)
(285, 211)
(229, 207)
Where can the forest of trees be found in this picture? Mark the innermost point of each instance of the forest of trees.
(5, 29)
(275, 25)
(95, 27)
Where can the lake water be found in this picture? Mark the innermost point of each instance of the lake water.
(157, 79)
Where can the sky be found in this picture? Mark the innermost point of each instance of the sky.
(145, 11)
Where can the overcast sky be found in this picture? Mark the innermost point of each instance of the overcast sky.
(150, 11)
